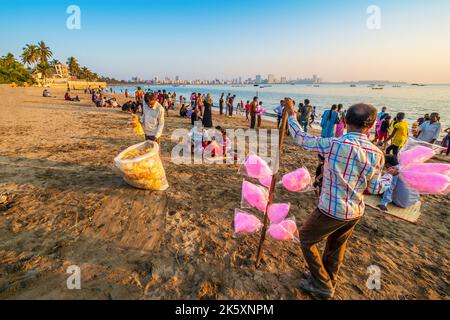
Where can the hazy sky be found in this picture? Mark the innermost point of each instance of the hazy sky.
(230, 38)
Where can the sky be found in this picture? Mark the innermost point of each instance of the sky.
(225, 39)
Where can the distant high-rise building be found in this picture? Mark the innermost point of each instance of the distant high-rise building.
(283, 80)
(270, 78)
(258, 79)
(177, 78)
(315, 78)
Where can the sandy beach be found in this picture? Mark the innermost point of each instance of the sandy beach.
(67, 207)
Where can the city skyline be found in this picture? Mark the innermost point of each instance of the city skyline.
(242, 39)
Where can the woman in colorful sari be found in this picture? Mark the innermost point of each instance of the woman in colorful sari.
(341, 125)
(329, 120)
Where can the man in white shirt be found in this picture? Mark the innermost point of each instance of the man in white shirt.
(429, 131)
(152, 118)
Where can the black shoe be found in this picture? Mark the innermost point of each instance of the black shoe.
(322, 293)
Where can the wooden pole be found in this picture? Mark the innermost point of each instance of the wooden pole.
(272, 188)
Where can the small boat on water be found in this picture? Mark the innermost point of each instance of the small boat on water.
(353, 85)
(377, 88)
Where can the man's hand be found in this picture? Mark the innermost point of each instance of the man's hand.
(290, 107)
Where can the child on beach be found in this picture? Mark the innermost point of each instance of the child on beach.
(383, 131)
(247, 110)
(319, 175)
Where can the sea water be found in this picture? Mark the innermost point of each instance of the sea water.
(415, 101)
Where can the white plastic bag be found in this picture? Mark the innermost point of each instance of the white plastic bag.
(141, 167)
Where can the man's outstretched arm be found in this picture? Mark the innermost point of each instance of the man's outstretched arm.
(303, 139)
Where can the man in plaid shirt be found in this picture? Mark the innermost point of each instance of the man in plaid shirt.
(352, 166)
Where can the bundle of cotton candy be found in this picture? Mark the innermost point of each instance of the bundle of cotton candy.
(266, 181)
(298, 180)
(417, 154)
(286, 230)
(278, 212)
(255, 196)
(425, 182)
(256, 167)
(246, 223)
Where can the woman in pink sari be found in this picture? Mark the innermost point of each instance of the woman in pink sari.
(341, 125)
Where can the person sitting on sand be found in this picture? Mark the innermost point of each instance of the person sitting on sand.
(358, 164)
(46, 93)
(398, 193)
(67, 96)
(152, 118)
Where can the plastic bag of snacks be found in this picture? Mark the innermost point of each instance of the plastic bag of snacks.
(141, 166)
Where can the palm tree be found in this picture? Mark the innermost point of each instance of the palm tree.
(44, 69)
(30, 54)
(44, 52)
(73, 66)
(85, 73)
(54, 62)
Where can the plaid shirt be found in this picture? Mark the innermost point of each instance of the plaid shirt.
(352, 165)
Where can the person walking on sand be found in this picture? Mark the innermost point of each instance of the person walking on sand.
(253, 111)
(231, 105)
(259, 113)
(279, 112)
(247, 110)
(341, 125)
(207, 114)
(221, 101)
(152, 118)
(399, 134)
(329, 120)
(305, 115)
(126, 93)
(353, 165)
(139, 96)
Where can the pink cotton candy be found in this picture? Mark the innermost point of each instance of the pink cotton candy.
(417, 154)
(266, 181)
(429, 183)
(297, 180)
(255, 196)
(278, 212)
(256, 167)
(246, 223)
(441, 168)
(284, 231)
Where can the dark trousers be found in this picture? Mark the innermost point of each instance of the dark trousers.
(221, 107)
(279, 121)
(318, 227)
(252, 122)
(392, 148)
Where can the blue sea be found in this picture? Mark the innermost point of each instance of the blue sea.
(415, 101)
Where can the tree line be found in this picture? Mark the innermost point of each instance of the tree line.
(37, 58)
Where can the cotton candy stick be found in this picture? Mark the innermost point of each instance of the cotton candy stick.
(256, 167)
(297, 180)
(278, 212)
(246, 223)
(255, 196)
